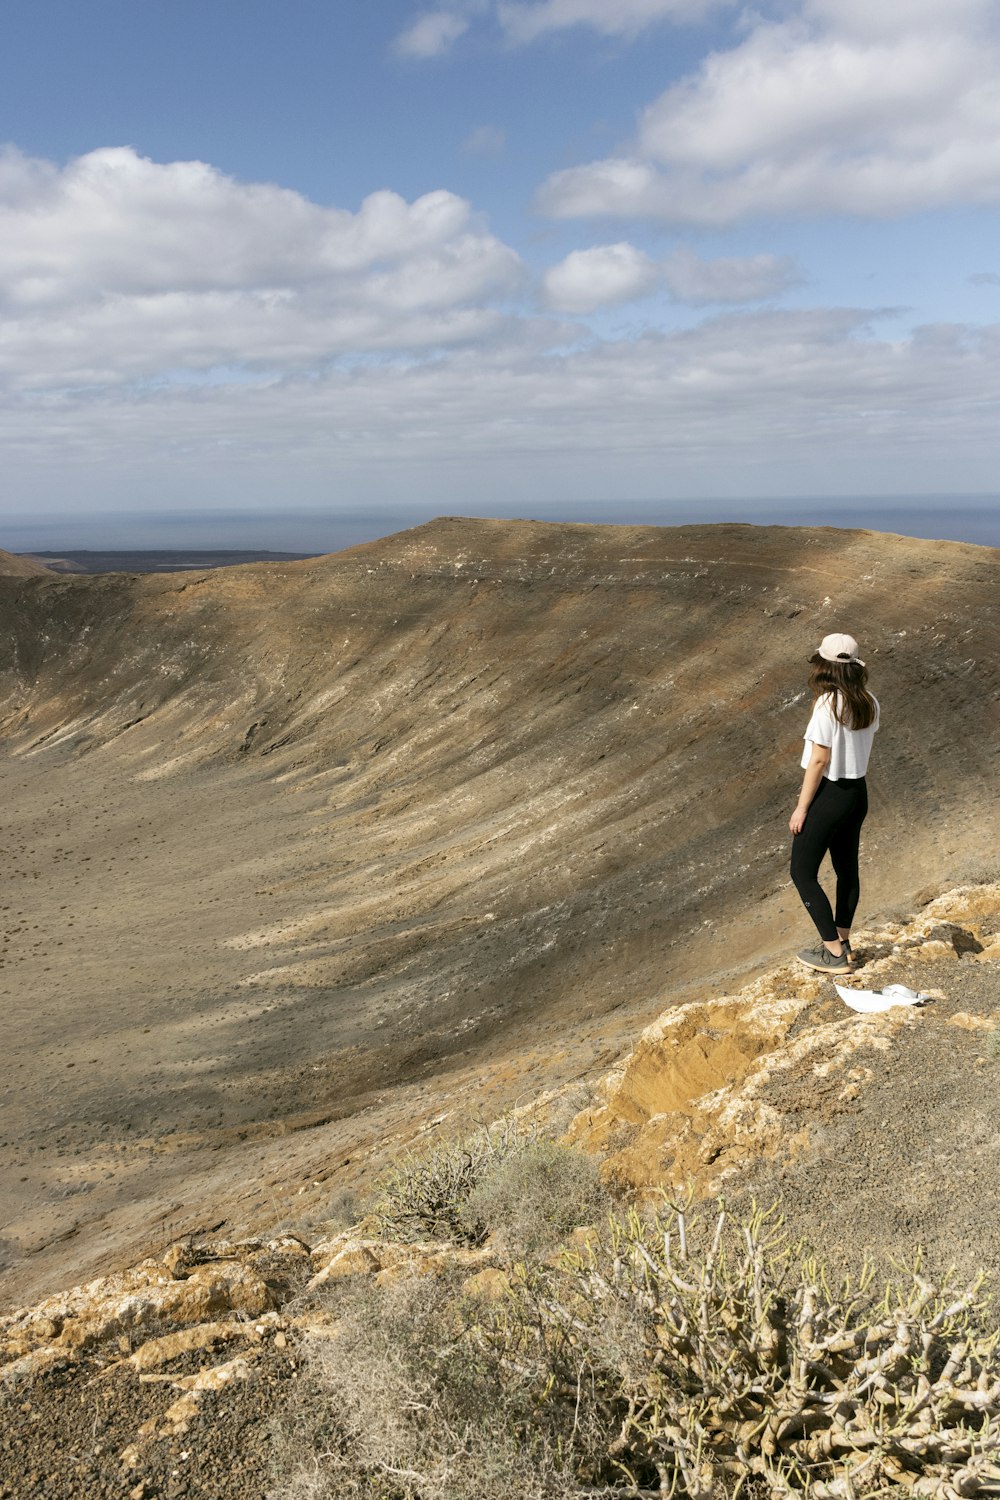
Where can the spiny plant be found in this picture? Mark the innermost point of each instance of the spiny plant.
(739, 1363)
(688, 1354)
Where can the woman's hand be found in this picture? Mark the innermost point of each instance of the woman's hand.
(818, 762)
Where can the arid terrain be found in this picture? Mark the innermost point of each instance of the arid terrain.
(13, 565)
(301, 861)
(194, 1373)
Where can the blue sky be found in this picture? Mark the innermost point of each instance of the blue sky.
(478, 253)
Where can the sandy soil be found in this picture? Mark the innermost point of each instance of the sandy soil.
(152, 1087)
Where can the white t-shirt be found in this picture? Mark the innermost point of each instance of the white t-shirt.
(849, 748)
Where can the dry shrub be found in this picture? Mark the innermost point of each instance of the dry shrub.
(508, 1178)
(739, 1364)
(343, 1210)
(407, 1404)
(534, 1197)
(427, 1195)
(695, 1356)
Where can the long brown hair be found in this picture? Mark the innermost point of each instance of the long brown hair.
(846, 682)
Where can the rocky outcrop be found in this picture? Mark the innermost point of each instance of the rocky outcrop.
(183, 1340)
(225, 1281)
(207, 1295)
(751, 1091)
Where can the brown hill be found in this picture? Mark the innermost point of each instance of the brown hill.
(416, 829)
(13, 566)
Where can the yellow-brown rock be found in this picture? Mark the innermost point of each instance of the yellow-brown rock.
(491, 1284)
(178, 1417)
(157, 1352)
(966, 1022)
(697, 1097)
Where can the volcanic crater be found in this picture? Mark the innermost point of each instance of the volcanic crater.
(303, 861)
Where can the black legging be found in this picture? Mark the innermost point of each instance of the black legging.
(833, 823)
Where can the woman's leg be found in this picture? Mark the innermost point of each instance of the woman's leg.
(808, 849)
(844, 846)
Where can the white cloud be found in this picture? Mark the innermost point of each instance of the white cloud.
(169, 321)
(848, 108)
(897, 17)
(526, 23)
(431, 34)
(522, 22)
(728, 279)
(752, 402)
(119, 268)
(606, 274)
(485, 140)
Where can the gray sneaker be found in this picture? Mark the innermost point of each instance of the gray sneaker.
(822, 958)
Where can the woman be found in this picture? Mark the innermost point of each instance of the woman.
(834, 798)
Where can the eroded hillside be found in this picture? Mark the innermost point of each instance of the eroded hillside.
(337, 847)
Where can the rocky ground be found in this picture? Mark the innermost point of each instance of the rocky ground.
(875, 1134)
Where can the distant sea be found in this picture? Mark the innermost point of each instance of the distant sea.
(958, 518)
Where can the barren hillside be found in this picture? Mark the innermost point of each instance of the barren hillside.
(340, 846)
(12, 566)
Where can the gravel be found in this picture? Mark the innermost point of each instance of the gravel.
(913, 1163)
(61, 1438)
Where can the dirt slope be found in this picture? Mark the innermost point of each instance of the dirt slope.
(876, 1135)
(352, 843)
(12, 566)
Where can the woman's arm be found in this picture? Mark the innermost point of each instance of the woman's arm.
(818, 762)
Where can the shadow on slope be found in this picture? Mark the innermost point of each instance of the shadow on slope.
(287, 836)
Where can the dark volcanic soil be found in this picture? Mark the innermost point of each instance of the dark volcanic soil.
(61, 1438)
(297, 858)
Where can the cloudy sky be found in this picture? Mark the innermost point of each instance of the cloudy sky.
(484, 253)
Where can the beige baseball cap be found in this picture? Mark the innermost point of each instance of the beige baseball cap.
(840, 648)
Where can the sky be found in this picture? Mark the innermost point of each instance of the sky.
(373, 255)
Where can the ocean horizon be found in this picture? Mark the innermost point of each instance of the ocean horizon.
(957, 518)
